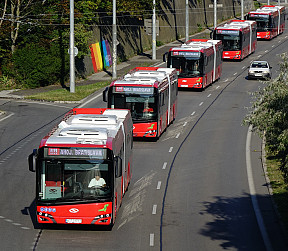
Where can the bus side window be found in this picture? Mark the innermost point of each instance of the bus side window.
(118, 166)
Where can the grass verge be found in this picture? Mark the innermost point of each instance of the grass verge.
(64, 95)
(279, 186)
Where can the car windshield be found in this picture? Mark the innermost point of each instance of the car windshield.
(259, 65)
(74, 180)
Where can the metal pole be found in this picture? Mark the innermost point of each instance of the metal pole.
(114, 42)
(154, 32)
(215, 13)
(187, 21)
(242, 10)
(71, 49)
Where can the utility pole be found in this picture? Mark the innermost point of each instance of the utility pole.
(242, 9)
(71, 49)
(114, 42)
(215, 14)
(187, 21)
(154, 32)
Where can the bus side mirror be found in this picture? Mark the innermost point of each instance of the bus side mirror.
(165, 57)
(105, 94)
(32, 160)
(118, 167)
(211, 34)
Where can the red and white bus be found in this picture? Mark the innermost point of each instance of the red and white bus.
(150, 93)
(270, 21)
(83, 167)
(198, 62)
(239, 38)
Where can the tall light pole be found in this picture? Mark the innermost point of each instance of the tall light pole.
(154, 32)
(114, 42)
(242, 9)
(71, 48)
(215, 14)
(187, 21)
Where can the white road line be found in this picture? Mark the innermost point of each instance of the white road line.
(177, 136)
(164, 165)
(244, 67)
(154, 209)
(273, 46)
(157, 65)
(260, 56)
(253, 192)
(192, 113)
(235, 73)
(7, 117)
(279, 41)
(209, 95)
(90, 100)
(218, 86)
(151, 240)
(158, 185)
(201, 104)
(266, 51)
(185, 124)
(170, 149)
(286, 36)
(224, 81)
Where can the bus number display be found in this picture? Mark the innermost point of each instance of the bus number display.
(228, 32)
(135, 90)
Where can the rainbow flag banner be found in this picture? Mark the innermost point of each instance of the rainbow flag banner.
(106, 54)
(101, 55)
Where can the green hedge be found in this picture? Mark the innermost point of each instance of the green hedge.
(35, 66)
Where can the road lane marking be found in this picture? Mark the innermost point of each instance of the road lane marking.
(164, 165)
(151, 240)
(209, 95)
(185, 124)
(90, 100)
(192, 113)
(252, 190)
(171, 149)
(7, 117)
(201, 104)
(177, 136)
(158, 185)
(235, 73)
(154, 209)
(219, 86)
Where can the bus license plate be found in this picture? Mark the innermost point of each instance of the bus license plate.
(73, 221)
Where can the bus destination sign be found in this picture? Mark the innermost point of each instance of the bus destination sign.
(74, 152)
(132, 89)
(260, 15)
(195, 54)
(228, 32)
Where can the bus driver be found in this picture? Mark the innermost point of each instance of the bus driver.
(97, 182)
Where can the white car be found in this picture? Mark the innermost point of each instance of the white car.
(259, 69)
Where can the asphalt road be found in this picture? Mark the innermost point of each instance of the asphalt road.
(189, 190)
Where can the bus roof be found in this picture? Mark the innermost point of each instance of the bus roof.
(83, 128)
(237, 25)
(197, 45)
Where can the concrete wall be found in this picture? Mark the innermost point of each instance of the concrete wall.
(172, 18)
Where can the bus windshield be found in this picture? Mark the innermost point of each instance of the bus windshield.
(187, 67)
(263, 23)
(230, 42)
(143, 107)
(63, 180)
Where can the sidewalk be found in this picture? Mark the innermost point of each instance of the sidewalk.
(122, 68)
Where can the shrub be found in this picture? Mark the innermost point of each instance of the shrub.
(36, 66)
